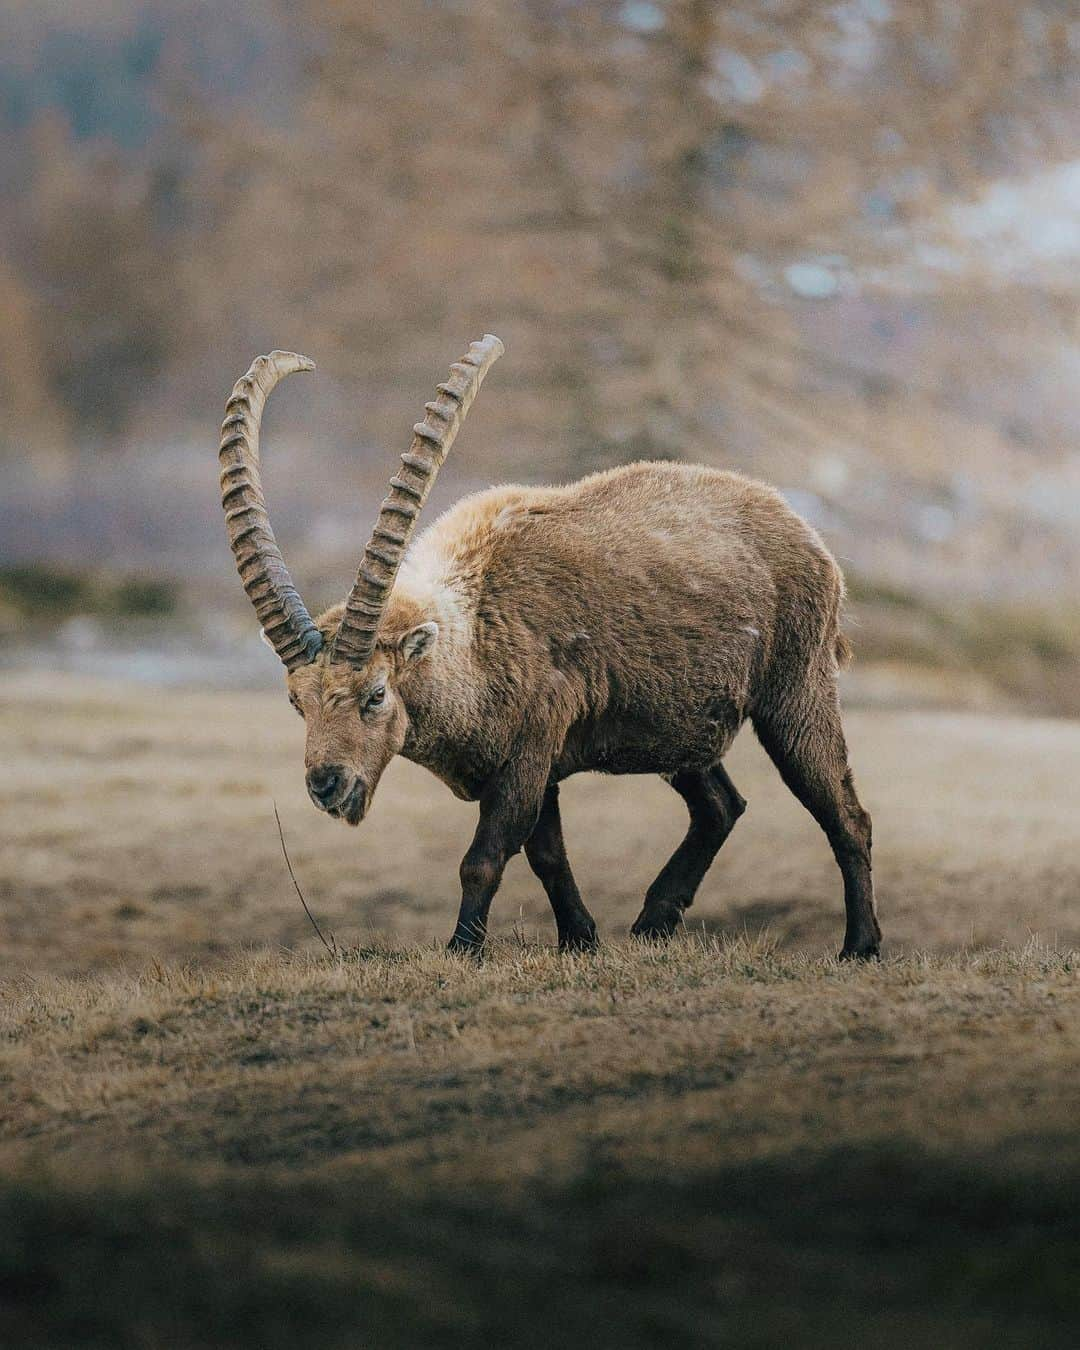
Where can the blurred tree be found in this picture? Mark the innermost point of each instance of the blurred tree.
(614, 186)
(32, 417)
(601, 182)
(102, 264)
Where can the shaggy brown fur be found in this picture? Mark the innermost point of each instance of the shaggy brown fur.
(627, 623)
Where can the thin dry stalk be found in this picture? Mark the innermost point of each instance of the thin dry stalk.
(296, 885)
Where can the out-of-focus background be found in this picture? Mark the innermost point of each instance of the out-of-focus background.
(833, 245)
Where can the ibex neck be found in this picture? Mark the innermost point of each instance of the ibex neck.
(440, 694)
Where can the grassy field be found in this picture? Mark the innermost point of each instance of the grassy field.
(212, 1134)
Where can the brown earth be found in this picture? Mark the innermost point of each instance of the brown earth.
(138, 825)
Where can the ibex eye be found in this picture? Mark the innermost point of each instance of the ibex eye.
(376, 696)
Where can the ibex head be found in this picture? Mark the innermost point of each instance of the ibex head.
(344, 676)
(355, 719)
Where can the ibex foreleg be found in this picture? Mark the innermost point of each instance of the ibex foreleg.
(509, 811)
(546, 853)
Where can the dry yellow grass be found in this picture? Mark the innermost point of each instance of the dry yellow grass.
(731, 1141)
(641, 1047)
(710, 1144)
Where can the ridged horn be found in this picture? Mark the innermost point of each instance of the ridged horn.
(288, 626)
(432, 439)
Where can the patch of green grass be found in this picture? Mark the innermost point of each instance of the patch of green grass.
(148, 596)
(864, 590)
(44, 590)
(47, 592)
(1029, 651)
(992, 634)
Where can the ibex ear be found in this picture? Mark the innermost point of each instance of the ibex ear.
(418, 642)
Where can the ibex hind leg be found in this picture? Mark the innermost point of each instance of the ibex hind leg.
(803, 736)
(715, 805)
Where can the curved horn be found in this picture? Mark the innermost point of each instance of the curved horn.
(287, 624)
(432, 439)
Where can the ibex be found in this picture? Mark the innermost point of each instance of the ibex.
(627, 623)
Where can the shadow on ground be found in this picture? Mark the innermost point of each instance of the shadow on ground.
(852, 1247)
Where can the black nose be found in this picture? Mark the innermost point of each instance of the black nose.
(324, 782)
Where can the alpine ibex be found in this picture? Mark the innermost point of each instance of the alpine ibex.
(627, 623)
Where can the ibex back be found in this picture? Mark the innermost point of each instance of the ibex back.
(627, 623)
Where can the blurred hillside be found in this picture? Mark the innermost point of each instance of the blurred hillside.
(832, 245)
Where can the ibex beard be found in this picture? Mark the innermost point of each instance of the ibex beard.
(628, 623)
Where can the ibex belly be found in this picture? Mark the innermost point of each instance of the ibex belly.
(620, 744)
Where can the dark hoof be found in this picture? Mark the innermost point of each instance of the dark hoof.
(584, 940)
(870, 952)
(465, 946)
(657, 925)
